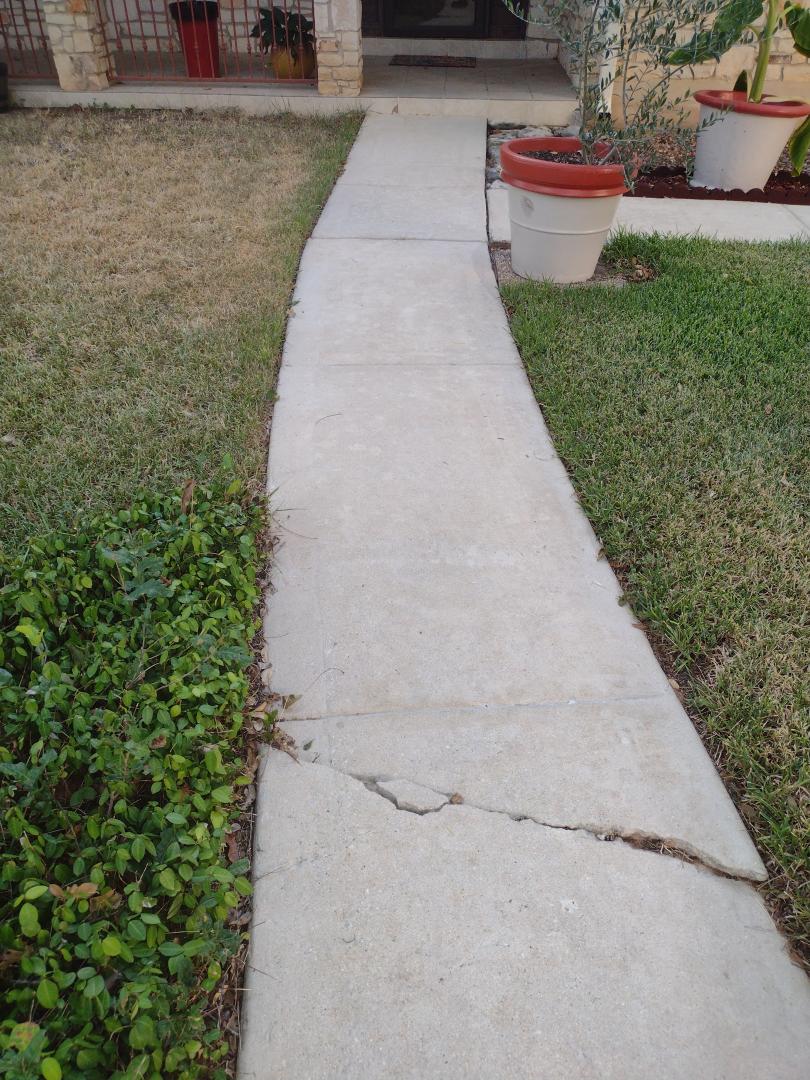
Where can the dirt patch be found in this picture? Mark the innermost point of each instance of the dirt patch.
(501, 256)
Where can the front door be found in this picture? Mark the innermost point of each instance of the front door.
(435, 18)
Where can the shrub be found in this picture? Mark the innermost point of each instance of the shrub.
(123, 676)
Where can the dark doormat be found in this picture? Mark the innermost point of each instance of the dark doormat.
(400, 60)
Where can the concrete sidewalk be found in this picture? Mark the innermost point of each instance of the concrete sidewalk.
(474, 870)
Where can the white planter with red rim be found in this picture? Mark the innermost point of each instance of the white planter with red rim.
(741, 144)
(560, 213)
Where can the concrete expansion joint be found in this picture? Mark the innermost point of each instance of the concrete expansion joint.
(481, 707)
(413, 798)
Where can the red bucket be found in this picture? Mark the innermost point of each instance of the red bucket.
(197, 22)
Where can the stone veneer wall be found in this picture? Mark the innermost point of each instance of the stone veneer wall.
(77, 42)
(785, 65)
(339, 47)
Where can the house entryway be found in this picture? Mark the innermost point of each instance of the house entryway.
(442, 19)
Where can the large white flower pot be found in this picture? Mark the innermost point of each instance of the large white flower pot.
(740, 144)
(560, 213)
(557, 237)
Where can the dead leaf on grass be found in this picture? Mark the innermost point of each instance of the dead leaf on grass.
(232, 846)
(187, 498)
(83, 891)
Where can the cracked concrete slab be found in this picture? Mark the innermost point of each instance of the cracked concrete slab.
(412, 797)
(442, 611)
(462, 945)
(636, 768)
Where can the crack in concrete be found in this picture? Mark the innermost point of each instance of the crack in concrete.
(637, 839)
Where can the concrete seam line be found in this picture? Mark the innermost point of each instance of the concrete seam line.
(567, 703)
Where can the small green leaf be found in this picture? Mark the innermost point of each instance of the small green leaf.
(51, 1069)
(168, 880)
(94, 986)
(111, 946)
(30, 632)
(213, 761)
(222, 794)
(136, 930)
(142, 1033)
(47, 994)
(29, 920)
(242, 885)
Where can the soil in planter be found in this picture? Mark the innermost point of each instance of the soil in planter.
(574, 158)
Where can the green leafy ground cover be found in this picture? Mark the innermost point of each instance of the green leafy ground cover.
(122, 684)
(681, 407)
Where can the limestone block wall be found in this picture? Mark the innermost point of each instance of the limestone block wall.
(339, 47)
(77, 42)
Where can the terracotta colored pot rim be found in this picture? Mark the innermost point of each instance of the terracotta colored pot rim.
(737, 101)
(558, 177)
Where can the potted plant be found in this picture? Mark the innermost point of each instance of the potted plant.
(287, 37)
(742, 132)
(564, 193)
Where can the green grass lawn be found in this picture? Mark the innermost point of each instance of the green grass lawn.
(680, 407)
(148, 260)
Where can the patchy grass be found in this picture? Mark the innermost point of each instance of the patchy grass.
(148, 261)
(681, 409)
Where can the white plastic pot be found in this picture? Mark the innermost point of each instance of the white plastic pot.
(560, 212)
(557, 237)
(741, 144)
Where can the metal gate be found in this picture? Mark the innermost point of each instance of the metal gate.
(232, 40)
(24, 43)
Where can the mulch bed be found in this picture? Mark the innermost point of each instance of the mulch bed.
(667, 177)
(669, 183)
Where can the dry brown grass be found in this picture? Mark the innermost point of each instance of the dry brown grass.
(148, 263)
